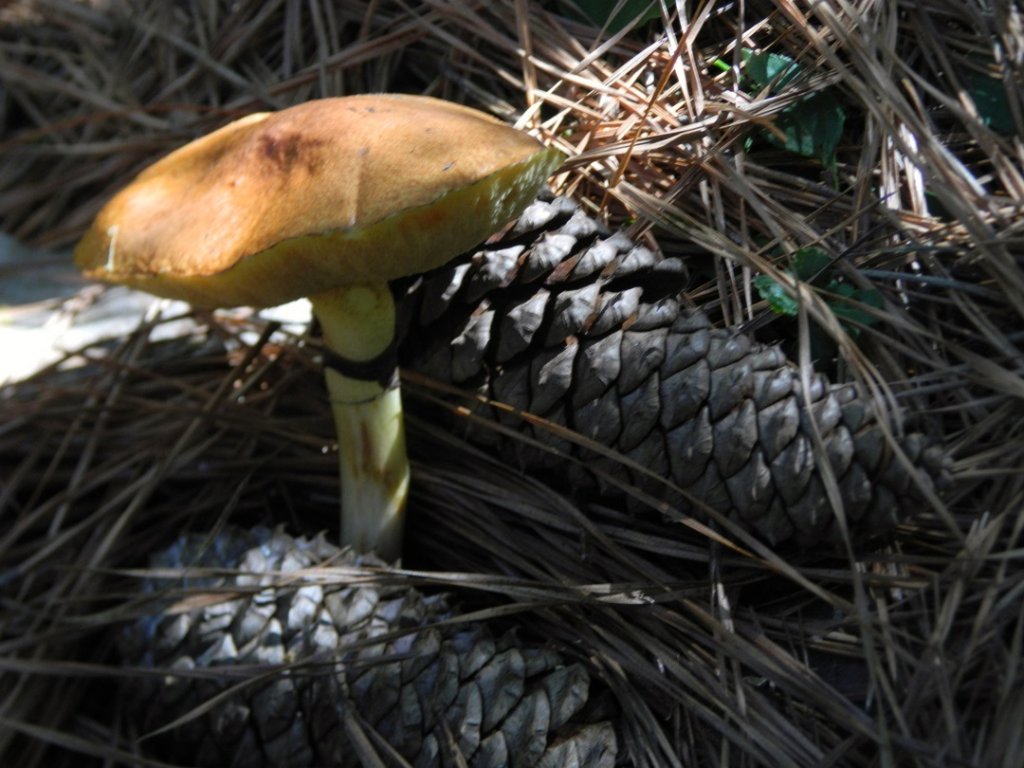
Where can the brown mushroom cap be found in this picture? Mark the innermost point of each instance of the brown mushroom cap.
(332, 192)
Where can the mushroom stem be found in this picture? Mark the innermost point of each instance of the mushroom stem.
(362, 379)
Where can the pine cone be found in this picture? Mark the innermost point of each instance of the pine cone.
(307, 660)
(587, 330)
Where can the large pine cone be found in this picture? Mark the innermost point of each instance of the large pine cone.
(311, 658)
(587, 330)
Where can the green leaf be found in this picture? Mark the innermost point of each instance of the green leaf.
(602, 12)
(848, 307)
(763, 68)
(810, 262)
(814, 266)
(772, 292)
(813, 127)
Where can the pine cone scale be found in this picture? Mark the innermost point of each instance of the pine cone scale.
(593, 336)
(382, 657)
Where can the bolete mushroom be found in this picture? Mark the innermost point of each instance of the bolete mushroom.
(329, 200)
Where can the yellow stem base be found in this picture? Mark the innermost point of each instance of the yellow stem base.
(374, 468)
(358, 324)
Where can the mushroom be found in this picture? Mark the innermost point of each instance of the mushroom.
(329, 200)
